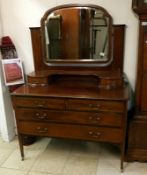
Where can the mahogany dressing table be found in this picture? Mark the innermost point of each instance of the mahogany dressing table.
(78, 89)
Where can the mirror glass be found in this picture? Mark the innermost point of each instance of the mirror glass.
(76, 34)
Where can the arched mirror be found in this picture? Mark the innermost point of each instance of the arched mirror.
(77, 34)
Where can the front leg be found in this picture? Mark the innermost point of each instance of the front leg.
(20, 139)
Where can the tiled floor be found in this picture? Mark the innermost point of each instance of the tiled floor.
(64, 157)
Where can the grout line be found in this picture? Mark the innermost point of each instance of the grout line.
(14, 169)
(70, 151)
(7, 158)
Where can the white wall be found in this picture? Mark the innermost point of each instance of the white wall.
(7, 124)
(19, 15)
(1, 97)
(7, 127)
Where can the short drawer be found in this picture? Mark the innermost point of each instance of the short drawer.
(91, 118)
(37, 80)
(51, 103)
(96, 105)
(105, 134)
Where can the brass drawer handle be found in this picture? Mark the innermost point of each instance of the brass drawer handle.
(90, 118)
(90, 133)
(95, 118)
(40, 105)
(42, 130)
(94, 134)
(98, 118)
(40, 116)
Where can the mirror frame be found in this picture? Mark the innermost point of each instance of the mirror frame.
(82, 62)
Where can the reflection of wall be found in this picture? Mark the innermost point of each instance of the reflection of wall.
(100, 47)
(99, 36)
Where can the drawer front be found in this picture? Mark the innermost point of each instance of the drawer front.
(51, 103)
(96, 105)
(71, 131)
(37, 80)
(91, 118)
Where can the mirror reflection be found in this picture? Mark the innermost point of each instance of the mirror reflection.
(77, 34)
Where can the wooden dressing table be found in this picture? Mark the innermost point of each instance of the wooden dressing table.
(75, 98)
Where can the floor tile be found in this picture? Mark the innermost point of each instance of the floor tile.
(60, 144)
(4, 154)
(9, 145)
(36, 173)
(82, 148)
(65, 157)
(40, 144)
(53, 159)
(110, 172)
(14, 160)
(136, 168)
(80, 165)
(113, 165)
(5, 171)
(109, 151)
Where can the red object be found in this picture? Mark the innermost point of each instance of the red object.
(6, 42)
(7, 48)
(12, 72)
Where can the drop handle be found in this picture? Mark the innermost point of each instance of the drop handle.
(42, 130)
(94, 118)
(40, 116)
(94, 134)
(40, 105)
(90, 133)
(98, 118)
(90, 118)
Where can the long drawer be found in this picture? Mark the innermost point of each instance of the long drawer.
(50, 103)
(112, 135)
(91, 118)
(96, 105)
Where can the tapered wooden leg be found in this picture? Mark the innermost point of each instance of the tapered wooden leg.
(122, 167)
(20, 138)
(122, 158)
